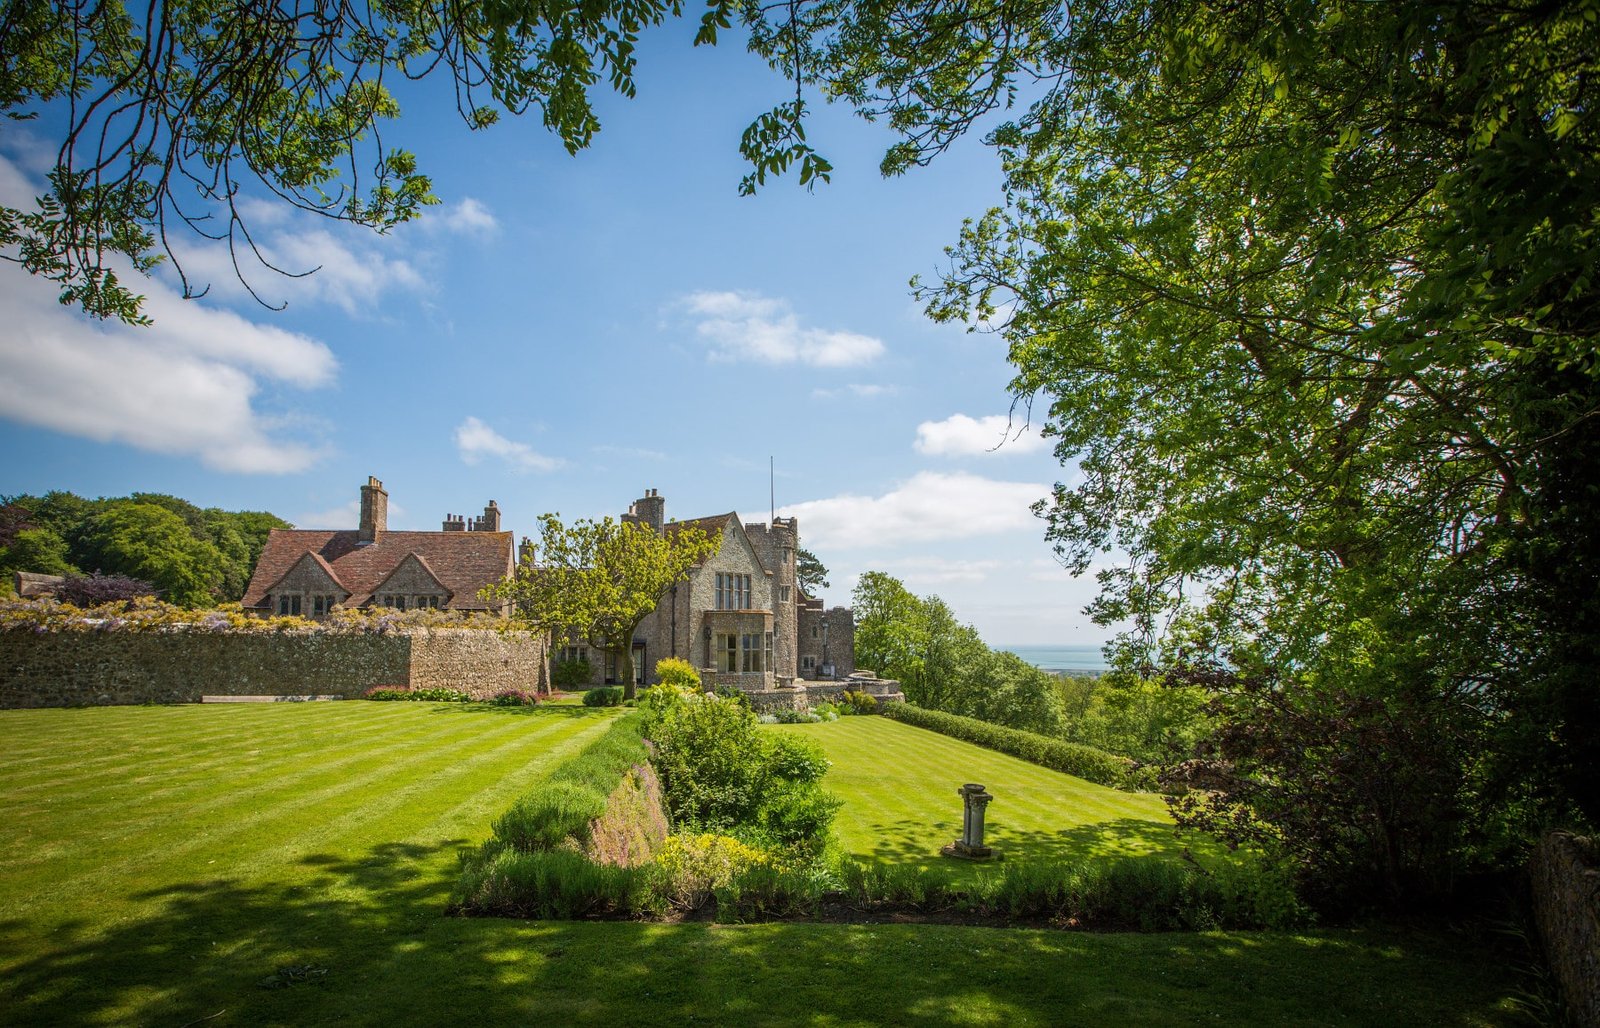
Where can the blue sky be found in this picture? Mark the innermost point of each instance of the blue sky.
(562, 333)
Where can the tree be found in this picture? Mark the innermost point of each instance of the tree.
(1307, 291)
(600, 579)
(809, 572)
(150, 543)
(39, 550)
(175, 112)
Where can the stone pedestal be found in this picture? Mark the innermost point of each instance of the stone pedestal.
(970, 846)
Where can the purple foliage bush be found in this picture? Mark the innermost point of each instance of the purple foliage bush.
(85, 591)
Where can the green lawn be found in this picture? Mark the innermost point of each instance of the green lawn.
(164, 865)
(899, 786)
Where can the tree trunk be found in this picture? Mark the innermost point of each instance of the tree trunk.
(625, 669)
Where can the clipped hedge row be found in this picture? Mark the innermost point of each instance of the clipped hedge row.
(536, 864)
(574, 795)
(1072, 758)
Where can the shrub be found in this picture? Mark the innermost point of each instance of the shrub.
(734, 695)
(561, 884)
(603, 696)
(678, 673)
(721, 774)
(570, 674)
(514, 698)
(93, 590)
(1140, 893)
(689, 868)
(790, 716)
(386, 692)
(535, 865)
(857, 702)
(1071, 758)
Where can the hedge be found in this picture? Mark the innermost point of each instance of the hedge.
(1085, 762)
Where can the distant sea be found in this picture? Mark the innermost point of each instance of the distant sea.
(1060, 658)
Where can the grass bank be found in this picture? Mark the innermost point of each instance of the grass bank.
(290, 864)
(899, 786)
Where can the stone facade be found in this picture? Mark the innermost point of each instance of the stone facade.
(1566, 904)
(827, 642)
(66, 669)
(741, 616)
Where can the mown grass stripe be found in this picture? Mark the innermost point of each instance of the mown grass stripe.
(900, 786)
(358, 749)
(178, 751)
(234, 829)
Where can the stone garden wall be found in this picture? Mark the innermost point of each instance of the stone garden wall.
(66, 669)
(1566, 906)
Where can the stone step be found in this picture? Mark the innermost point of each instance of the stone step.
(266, 699)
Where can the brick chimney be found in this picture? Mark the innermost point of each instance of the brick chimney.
(490, 522)
(374, 510)
(651, 509)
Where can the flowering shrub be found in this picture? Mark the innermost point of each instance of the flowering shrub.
(514, 698)
(678, 673)
(854, 702)
(148, 614)
(690, 868)
(400, 692)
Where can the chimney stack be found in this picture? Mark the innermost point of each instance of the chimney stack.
(490, 522)
(374, 510)
(651, 509)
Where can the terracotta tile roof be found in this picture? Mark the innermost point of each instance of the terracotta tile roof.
(463, 562)
(712, 526)
(314, 558)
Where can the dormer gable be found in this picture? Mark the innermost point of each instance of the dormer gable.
(411, 578)
(310, 574)
(735, 532)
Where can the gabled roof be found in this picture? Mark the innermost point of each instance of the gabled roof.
(410, 558)
(721, 524)
(462, 562)
(712, 526)
(313, 558)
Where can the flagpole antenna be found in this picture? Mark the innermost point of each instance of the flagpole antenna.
(772, 486)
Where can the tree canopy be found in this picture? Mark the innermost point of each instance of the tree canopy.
(809, 571)
(600, 579)
(175, 112)
(943, 664)
(1306, 292)
(195, 556)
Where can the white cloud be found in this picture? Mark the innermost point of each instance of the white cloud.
(468, 217)
(185, 386)
(961, 436)
(477, 440)
(321, 267)
(920, 572)
(747, 327)
(859, 390)
(929, 507)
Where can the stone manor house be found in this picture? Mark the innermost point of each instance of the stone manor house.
(309, 572)
(741, 616)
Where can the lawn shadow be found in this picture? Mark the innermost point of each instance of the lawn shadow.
(364, 939)
(909, 841)
(220, 944)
